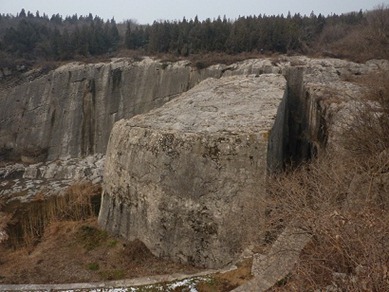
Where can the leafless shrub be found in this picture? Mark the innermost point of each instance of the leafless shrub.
(343, 202)
(333, 32)
(350, 230)
(4, 220)
(369, 40)
(368, 133)
(378, 21)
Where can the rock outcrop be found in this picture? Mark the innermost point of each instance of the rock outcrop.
(71, 110)
(24, 182)
(183, 177)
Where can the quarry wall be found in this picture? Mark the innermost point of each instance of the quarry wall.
(70, 111)
(185, 178)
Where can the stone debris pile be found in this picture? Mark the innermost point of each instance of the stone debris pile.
(19, 181)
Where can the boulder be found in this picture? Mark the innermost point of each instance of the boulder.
(187, 178)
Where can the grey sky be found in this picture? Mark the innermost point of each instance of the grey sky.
(146, 11)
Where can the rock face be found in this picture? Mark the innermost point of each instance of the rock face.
(317, 110)
(24, 182)
(71, 110)
(186, 177)
(183, 177)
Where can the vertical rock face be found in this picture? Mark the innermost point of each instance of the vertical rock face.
(183, 178)
(70, 111)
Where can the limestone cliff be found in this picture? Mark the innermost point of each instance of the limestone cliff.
(183, 177)
(70, 111)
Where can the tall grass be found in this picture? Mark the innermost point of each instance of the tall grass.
(28, 221)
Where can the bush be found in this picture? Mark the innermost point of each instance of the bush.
(347, 214)
(368, 133)
(358, 42)
(342, 201)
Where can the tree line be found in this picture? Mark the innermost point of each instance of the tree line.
(30, 36)
(39, 37)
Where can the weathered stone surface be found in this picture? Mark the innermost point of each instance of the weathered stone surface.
(183, 178)
(23, 182)
(317, 109)
(269, 269)
(179, 179)
(70, 111)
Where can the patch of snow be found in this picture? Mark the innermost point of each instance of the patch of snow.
(184, 283)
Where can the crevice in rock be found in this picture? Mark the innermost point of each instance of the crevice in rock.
(88, 120)
(298, 146)
(294, 138)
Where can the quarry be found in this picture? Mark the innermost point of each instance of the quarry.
(182, 154)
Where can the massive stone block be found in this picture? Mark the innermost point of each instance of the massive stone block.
(186, 178)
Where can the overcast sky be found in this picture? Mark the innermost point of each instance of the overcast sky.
(146, 11)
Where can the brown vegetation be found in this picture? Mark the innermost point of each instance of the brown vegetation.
(57, 240)
(78, 251)
(342, 201)
(361, 42)
(28, 221)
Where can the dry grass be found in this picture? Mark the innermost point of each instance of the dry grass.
(27, 222)
(342, 200)
(345, 208)
(78, 251)
(57, 240)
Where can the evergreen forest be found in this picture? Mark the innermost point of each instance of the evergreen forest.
(34, 37)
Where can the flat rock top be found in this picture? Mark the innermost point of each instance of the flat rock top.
(232, 104)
